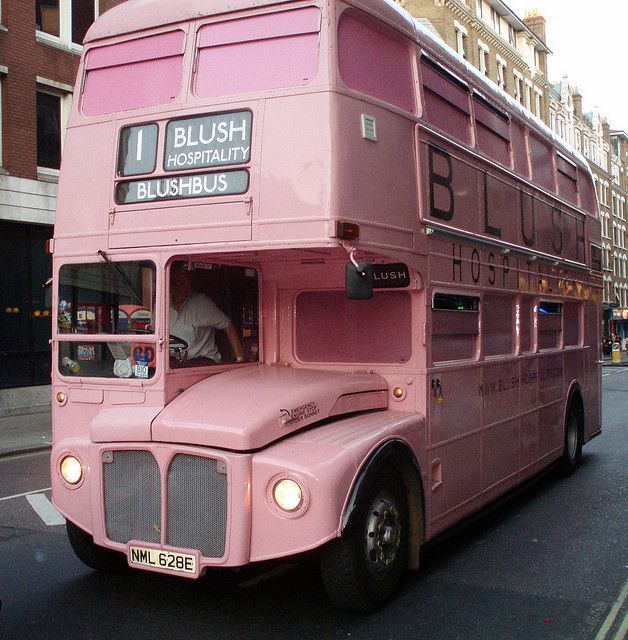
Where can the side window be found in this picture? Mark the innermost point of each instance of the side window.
(213, 314)
(331, 328)
(446, 99)
(541, 161)
(375, 59)
(550, 324)
(571, 324)
(455, 326)
(497, 325)
(492, 130)
(567, 179)
(519, 148)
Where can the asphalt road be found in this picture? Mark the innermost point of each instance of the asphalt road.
(550, 563)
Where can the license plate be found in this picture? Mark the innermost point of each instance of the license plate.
(158, 559)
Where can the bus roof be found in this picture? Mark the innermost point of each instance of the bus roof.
(138, 15)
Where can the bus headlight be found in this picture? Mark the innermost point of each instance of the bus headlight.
(288, 495)
(71, 469)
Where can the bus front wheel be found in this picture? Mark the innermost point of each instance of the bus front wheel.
(90, 553)
(362, 570)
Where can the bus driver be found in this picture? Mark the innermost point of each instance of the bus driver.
(194, 318)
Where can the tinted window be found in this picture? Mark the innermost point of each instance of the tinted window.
(332, 328)
(375, 59)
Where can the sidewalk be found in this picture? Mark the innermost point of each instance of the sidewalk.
(25, 433)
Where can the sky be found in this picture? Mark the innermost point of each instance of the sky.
(589, 43)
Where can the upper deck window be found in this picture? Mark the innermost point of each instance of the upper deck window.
(541, 161)
(258, 53)
(132, 75)
(375, 59)
(492, 129)
(446, 100)
(567, 179)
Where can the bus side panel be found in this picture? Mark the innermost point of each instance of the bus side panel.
(295, 167)
(374, 182)
(455, 444)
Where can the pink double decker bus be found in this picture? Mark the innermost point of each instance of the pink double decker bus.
(319, 285)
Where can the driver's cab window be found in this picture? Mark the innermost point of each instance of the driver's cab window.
(213, 314)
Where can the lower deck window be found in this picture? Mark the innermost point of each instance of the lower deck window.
(331, 328)
(455, 327)
(550, 324)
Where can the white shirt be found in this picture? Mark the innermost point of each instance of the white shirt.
(196, 323)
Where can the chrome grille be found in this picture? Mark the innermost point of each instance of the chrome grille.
(132, 496)
(197, 505)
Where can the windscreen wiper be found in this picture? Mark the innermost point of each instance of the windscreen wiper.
(122, 275)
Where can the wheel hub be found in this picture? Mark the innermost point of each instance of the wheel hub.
(383, 534)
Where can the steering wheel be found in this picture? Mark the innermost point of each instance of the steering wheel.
(178, 347)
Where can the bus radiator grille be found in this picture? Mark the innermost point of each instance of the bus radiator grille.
(197, 505)
(132, 496)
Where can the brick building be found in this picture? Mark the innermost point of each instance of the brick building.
(607, 154)
(510, 51)
(40, 46)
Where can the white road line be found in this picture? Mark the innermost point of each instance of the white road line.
(623, 630)
(605, 374)
(612, 614)
(21, 495)
(45, 509)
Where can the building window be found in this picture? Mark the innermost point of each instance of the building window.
(48, 130)
(483, 58)
(65, 20)
(501, 73)
(2, 73)
(461, 39)
(512, 38)
(538, 95)
(518, 93)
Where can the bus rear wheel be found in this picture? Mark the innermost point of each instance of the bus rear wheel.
(574, 433)
(91, 554)
(362, 570)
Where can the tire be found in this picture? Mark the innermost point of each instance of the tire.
(574, 433)
(91, 554)
(361, 571)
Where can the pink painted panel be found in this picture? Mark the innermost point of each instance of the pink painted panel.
(541, 160)
(272, 25)
(163, 45)
(497, 324)
(454, 335)
(331, 328)
(519, 148)
(261, 65)
(132, 86)
(588, 200)
(493, 145)
(500, 454)
(571, 321)
(374, 59)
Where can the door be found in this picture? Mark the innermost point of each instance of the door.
(25, 307)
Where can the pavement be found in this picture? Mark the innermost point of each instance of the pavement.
(25, 433)
(32, 431)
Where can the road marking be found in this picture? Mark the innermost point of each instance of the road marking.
(45, 509)
(605, 374)
(21, 495)
(623, 630)
(612, 614)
